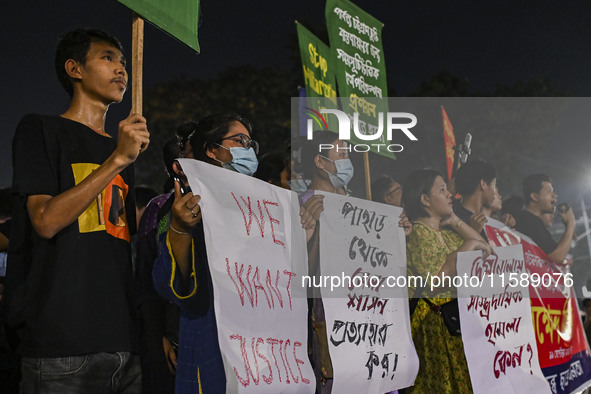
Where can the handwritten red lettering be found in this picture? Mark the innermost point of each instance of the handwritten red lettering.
(492, 265)
(249, 374)
(273, 342)
(248, 224)
(289, 274)
(267, 379)
(248, 215)
(298, 362)
(242, 288)
(506, 359)
(270, 291)
(259, 286)
(275, 289)
(272, 220)
(502, 328)
(287, 343)
(251, 356)
(497, 301)
(283, 360)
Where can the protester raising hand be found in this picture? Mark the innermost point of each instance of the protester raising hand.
(508, 220)
(478, 220)
(186, 213)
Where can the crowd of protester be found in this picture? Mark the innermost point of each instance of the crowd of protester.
(87, 317)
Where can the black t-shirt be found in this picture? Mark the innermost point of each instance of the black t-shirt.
(5, 229)
(77, 290)
(533, 226)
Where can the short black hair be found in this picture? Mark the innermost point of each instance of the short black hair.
(512, 205)
(470, 174)
(270, 167)
(184, 133)
(417, 183)
(211, 129)
(533, 184)
(75, 45)
(175, 146)
(380, 188)
(143, 195)
(312, 149)
(170, 152)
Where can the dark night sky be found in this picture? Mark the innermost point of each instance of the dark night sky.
(487, 43)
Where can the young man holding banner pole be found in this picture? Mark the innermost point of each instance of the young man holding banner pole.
(75, 184)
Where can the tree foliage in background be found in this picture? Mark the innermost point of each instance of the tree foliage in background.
(503, 134)
(443, 84)
(507, 133)
(262, 95)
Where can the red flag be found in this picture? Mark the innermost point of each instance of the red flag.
(449, 142)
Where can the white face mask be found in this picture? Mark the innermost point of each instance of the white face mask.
(343, 175)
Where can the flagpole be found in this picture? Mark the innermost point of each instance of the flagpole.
(367, 175)
(137, 62)
(586, 222)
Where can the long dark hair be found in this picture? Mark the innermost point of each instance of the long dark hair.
(210, 130)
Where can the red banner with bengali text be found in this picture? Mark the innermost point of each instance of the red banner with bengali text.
(563, 350)
(449, 140)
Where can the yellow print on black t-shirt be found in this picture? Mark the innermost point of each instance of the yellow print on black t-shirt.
(107, 211)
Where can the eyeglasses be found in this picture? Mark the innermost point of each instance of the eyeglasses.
(245, 141)
(395, 190)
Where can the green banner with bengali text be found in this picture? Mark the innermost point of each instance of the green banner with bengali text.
(319, 77)
(360, 68)
(179, 18)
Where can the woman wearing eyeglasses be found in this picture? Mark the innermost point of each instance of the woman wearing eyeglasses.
(181, 272)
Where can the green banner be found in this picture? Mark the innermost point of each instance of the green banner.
(319, 77)
(317, 65)
(360, 68)
(179, 18)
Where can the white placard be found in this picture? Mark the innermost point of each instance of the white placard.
(256, 256)
(367, 320)
(496, 321)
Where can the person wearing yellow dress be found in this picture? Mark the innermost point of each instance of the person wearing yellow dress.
(432, 250)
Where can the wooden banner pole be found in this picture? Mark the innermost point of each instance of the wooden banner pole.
(137, 63)
(367, 175)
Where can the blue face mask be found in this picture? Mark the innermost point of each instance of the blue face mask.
(243, 161)
(298, 185)
(343, 175)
